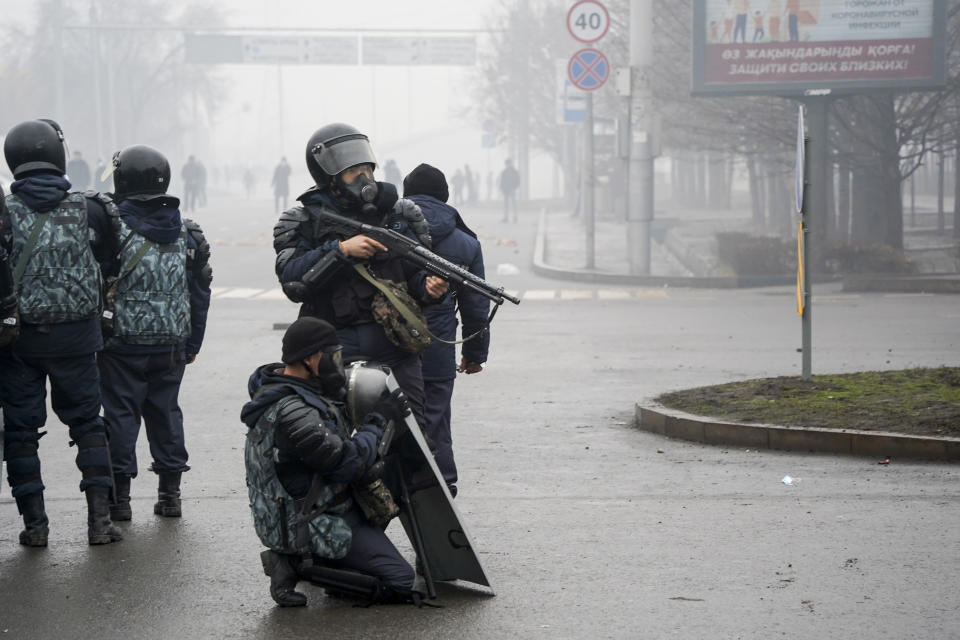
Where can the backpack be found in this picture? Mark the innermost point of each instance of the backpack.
(281, 522)
(55, 273)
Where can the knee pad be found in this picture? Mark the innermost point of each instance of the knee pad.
(23, 463)
(93, 457)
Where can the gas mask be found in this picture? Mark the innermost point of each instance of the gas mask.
(361, 193)
(329, 375)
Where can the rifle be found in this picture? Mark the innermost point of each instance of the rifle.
(417, 254)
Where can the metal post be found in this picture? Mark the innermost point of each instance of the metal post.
(58, 60)
(280, 109)
(97, 93)
(640, 197)
(817, 112)
(589, 220)
(523, 134)
(806, 320)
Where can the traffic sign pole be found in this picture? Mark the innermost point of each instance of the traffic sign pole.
(588, 69)
(589, 218)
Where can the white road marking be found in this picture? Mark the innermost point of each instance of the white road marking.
(539, 294)
(272, 294)
(240, 292)
(613, 294)
(576, 294)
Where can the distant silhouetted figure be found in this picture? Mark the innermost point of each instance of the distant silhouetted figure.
(391, 172)
(280, 184)
(191, 184)
(201, 184)
(509, 182)
(470, 184)
(457, 183)
(78, 172)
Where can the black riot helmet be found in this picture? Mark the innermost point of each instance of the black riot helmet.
(33, 145)
(139, 173)
(336, 147)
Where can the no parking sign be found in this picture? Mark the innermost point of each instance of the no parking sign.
(588, 69)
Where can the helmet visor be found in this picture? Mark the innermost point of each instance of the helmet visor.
(343, 153)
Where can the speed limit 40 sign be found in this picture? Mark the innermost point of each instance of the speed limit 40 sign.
(588, 21)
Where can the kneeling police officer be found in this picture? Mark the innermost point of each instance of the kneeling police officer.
(301, 461)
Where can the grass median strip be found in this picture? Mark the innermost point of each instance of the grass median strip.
(923, 402)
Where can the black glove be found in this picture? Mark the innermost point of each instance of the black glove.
(393, 406)
(374, 472)
(9, 326)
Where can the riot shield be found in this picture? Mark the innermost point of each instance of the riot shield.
(430, 518)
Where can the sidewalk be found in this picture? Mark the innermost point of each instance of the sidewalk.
(683, 254)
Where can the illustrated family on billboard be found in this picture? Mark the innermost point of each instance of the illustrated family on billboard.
(743, 21)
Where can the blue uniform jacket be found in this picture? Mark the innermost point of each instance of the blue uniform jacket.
(453, 240)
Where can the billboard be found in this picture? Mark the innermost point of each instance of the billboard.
(792, 47)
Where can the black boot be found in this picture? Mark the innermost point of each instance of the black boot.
(34, 520)
(100, 530)
(120, 508)
(168, 494)
(283, 579)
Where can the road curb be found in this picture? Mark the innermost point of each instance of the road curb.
(677, 424)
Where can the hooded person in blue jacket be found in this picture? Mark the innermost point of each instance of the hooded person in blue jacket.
(156, 314)
(453, 240)
(57, 242)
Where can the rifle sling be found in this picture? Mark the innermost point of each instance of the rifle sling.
(404, 310)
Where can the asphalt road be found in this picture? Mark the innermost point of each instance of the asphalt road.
(586, 526)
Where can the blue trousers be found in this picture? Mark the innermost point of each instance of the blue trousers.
(436, 414)
(75, 398)
(371, 552)
(144, 386)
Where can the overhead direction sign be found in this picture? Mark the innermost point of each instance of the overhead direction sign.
(267, 49)
(419, 50)
(330, 49)
(588, 21)
(588, 69)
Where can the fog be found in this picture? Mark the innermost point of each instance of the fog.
(412, 113)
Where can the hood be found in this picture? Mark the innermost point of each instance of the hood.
(269, 374)
(157, 220)
(41, 192)
(441, 217)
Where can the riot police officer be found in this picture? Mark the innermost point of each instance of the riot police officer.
(301, 440)
(9, 317)
(157, 301)
(57, 241)
(315, 262)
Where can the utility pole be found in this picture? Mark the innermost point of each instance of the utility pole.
(97, 85)
(640, 192)
(523, 134)
(58, 60)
